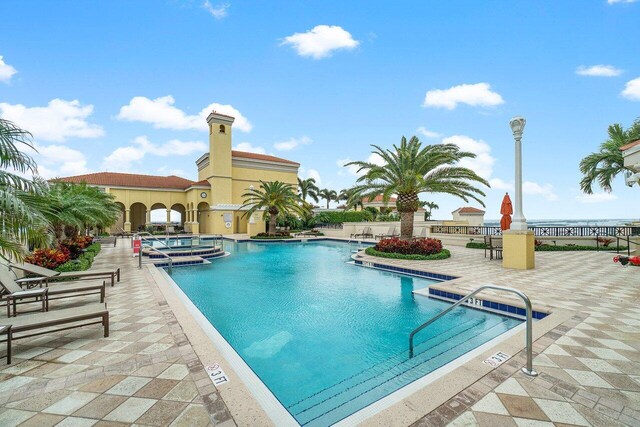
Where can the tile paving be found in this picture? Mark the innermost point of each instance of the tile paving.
(147, 373)
(589, 366)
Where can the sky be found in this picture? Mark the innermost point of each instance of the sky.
(126, 86)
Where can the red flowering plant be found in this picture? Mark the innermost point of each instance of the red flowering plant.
(48, 258)
(409, 247)
(76, 245)
(624, 260)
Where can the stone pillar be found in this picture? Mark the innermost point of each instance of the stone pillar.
(168, 217)
(147, 219)
(518, 249)
(127, 223)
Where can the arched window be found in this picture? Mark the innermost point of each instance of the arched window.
(222, 130)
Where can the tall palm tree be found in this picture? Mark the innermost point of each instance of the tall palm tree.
(22, 221)
(328, 195)
(607, 163)
(275, 198)
(430, 207)
(410, 169)
(308, 188)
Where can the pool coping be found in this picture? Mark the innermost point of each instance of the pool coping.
(436, 387)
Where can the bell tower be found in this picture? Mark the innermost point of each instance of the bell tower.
(219, 169)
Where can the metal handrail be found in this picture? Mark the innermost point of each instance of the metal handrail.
(629, 241)
(529, 332)
(158, 251)
(140, 233)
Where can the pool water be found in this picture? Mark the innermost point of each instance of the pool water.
(325, 336)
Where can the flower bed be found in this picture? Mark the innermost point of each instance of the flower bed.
(443, 254)
(421, 249)
(71, 255)
(278, 236)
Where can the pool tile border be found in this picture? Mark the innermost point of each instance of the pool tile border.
(426, 274)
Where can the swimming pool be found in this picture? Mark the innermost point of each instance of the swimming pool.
(326, 337)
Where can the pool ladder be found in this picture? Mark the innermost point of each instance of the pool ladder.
(158, 251)
(529, 334)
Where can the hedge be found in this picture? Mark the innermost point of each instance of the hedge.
(344, 216)
(271, 237)
(83, 262)
(444, 254)
(556, 248)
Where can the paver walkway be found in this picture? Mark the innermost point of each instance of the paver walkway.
(589, 367)
(145, 372)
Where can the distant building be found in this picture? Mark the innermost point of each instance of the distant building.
(211, 204)
(473, 216)
(631, 155)
(378, 203)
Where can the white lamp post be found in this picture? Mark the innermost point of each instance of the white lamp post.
(517, 126)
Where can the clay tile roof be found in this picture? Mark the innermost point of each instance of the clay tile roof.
(264, 157)
(629, 145)
(220, 114)
(469, 209)
(203, 182)
(378, 199)
(117, 179)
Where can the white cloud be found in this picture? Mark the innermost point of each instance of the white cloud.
(632, 90)
(470, 94)
(57, 121)
(428, 133)
(6, 71)
(162, 114)
(218, 11)
(292, 143)
(353, 169)
(528, 187)
(535, 189)
(310, 173)
(321, 41)
(247, 147)
(123, 158)
(596, 197)
(59, 160)
(621, 1)
(484, 161)
(598, 71)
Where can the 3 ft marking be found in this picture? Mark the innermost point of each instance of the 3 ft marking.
(217, 375)
(497, 359)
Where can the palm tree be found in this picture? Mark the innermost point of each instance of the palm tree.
(20, 206)
(431, 206)
(76, 207)
(328, 195)
(275, 198)
(604, 165)
(410, 169)
(308, 188)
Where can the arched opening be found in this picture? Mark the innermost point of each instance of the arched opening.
(203, 217)
(138, 216)
(178, 216)
(222, 129)
(118, 226)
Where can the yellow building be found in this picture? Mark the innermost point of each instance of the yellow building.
(210, 205)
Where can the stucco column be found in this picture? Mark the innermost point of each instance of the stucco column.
(127, 223)
(147, 219)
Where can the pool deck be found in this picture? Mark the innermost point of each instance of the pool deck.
(151, 370)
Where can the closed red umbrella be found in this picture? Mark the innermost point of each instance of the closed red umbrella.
(506, 210)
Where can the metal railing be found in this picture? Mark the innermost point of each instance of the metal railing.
(337, 226)
(628, 240)
(529, 332)
(559, 231)
(146, 233)
(155, 250)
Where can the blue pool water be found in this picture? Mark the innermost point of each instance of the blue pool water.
(327, 337)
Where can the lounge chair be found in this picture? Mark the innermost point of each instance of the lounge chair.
(366, 232)
(68, 318)
(52, 275)
(13, 292)
(390, 233)
(111, 240)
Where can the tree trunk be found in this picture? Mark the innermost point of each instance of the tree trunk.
(272, 225)
(406, 225)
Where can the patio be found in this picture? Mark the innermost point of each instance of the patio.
(150, 371)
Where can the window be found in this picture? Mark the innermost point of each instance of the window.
(222, 130)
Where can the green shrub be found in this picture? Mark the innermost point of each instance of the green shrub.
(476, 245)
(83, 262)
(94, 248)
(345, 216)
(443, 254)
(265, 237)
